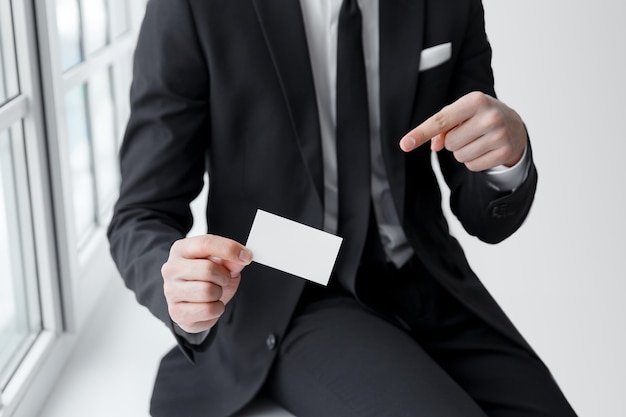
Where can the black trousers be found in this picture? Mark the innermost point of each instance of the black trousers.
(408, 348)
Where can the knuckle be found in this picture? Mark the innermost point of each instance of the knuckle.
(176, 246)
(440, 120)
(172, 270)
(493, 118)
(165, 270)
(205, 242)
(478, 98)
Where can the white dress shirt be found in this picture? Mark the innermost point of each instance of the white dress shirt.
(321, 20)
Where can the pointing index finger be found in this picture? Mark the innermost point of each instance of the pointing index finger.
(438, 124)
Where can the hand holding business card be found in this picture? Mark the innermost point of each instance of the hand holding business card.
(292, 247)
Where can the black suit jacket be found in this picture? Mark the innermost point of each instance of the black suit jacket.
(226, 86)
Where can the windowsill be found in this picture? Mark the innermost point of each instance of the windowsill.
(112, 368)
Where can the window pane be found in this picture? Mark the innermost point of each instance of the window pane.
(94, 24)
(123, 79)
(3, 92)
(101, 111)
(81, 165)
(68, 23)
(16, 321)
(118, 17)
(8, 68)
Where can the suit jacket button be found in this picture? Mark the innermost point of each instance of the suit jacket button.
(500, 211)
(270, 342)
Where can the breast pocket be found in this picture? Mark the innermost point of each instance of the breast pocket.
(434, 78)
(435, 56)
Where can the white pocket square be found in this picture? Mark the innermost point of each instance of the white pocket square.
(435, 55)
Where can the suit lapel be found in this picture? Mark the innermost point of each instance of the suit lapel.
(401, 38)
(283, 28)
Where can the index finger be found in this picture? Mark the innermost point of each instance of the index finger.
(212, 246)
(440, 123)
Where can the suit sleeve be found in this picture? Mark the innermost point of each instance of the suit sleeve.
(162, 155)
(484, 212)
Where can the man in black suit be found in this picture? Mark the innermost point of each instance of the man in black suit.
(289, 112)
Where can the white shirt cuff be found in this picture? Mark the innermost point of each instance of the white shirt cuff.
(503, 178)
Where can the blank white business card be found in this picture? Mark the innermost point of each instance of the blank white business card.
(293, 247)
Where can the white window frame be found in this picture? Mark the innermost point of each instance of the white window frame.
(27, 108)
(71, 274)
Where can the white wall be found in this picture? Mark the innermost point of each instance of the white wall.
(561, 278)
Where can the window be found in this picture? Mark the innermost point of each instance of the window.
(81, 162)
(68, 22)
(20, 319)
(19, 308)
(91, 49)
(67, 62)
(8, 68)
(94, 23)
(101, 105)
(118, 18)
